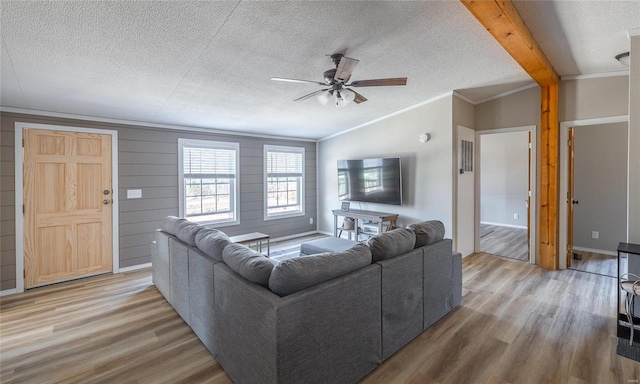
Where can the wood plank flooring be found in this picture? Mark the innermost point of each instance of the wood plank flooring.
(598, 263)
(504, 241)
(518, 324)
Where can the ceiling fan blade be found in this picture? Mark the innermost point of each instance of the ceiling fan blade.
(296, 80)
(310, 95)
(359, 98)
(379, 82)
(346, 66)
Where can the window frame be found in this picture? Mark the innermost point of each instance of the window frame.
(301, 191)
(234, 195)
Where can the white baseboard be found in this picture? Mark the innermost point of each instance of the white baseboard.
(504, 225)
(8, 292)
(600, 251)
(134, 267)
(276, 239)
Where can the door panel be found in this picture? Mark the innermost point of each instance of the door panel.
(570, 192)
(528, 201)
(68, 218)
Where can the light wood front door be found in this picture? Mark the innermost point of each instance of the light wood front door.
(67, 205)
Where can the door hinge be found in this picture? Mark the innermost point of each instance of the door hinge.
(529, 145)
(569, 143)
(23, 209)
(24, 273)
(22, 143)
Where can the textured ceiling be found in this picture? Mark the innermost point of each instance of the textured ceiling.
(208, 64)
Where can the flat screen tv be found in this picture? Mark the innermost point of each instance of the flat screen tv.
(370, 180)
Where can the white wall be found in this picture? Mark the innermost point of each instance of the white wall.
(600, 186)
(427, 168)
(504, 172)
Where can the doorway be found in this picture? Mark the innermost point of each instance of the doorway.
(597, 196)
(506, 190)
(66, 189)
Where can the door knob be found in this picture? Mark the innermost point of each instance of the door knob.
(105, 192)
(105, 202)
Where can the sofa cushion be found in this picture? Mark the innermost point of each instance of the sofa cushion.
(170, 224)
(187, 232)
(293, 275)
(391, 244)
(427, 232)
(248, 263)
(212, 242)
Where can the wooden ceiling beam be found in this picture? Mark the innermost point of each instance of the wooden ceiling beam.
(503, 21)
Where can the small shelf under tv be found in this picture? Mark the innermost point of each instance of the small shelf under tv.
(362, 219)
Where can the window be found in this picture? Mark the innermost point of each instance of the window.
(284, 184)
(208, 181)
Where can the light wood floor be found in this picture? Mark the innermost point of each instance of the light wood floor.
(598, 263)
(504, 241)
(518, 324)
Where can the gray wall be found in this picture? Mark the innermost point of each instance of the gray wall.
(634, 143)
(504, 164)
(593, 98)
(518, 109)
(600, 185)
(426, 168)
(148, 160)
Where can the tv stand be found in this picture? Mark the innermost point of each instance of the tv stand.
(380, 218)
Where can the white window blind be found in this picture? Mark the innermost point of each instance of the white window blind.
(284, 184)
(208, 174)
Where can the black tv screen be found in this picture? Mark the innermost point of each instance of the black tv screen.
(370, 180)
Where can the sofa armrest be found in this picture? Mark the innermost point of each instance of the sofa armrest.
(326, 333)
(457, 278)
(438, 281)
(160, 264)
(201, 288)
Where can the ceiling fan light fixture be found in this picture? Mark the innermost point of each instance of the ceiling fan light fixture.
(344, 98)
(623, 58)
(324, 98)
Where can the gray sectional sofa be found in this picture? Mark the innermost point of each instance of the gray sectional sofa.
(331, 317)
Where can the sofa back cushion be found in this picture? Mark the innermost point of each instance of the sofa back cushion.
(170, 224)
(212, 242)
(427, 232)
(187, 232)
(391, 244)
(248, 263)
(293, 275)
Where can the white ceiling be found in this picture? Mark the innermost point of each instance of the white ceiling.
(208, 64)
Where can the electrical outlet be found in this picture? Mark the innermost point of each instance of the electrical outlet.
(595, 234)
(311, 220)
(134, 193)
(516, 216)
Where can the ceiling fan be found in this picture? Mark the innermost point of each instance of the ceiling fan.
(336, 83)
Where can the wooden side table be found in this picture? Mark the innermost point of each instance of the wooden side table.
(253, 237)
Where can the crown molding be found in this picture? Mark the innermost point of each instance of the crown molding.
(428, 101)
(507, 93)
(144, 124)
(463, 97)
(595, 75)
